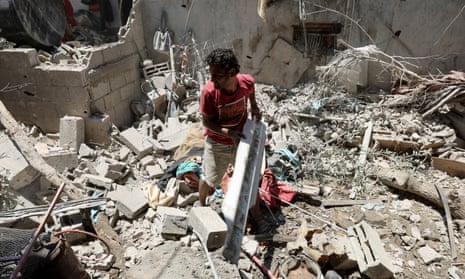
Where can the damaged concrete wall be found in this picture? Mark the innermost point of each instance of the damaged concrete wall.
(105, 81)
(423, 27)
(110, 77)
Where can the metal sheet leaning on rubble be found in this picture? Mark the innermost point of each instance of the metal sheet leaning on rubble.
(243, 185)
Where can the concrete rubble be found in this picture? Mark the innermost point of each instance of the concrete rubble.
(325, 146)
(367, 169)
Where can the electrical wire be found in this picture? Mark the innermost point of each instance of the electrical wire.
(207, 253)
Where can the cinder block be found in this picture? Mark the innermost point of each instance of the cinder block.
(98, 181)
(61, 159)
(110, 168)
(111, 52)
(112, 98)
(96, 58)
(138, 143)
(72, 132)
(117, 82)
(100, 89)
(154, 171)
(130, 201)
(67, 76)
(24, 57)
(128, 48)
(172, 222)
(209, 225)
(128, 92)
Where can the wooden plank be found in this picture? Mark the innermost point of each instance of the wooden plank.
(397, 145)
(452, 167)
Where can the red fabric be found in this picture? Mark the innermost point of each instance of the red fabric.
(69, 12)
(271, 188)
(231, 110)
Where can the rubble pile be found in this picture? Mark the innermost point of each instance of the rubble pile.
(370, 172)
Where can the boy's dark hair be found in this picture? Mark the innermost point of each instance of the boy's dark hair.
(224, 57)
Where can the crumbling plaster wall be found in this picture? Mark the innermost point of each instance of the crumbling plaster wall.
(426, 29)
(237, 24)
(106, 83)
(111, 79)
(223, 24)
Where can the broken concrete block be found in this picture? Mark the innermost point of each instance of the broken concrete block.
(154, 171)
(14, 166)
(173, 134)
(86, 152)
(97, 180)
(162, 163)
(61, 159)
(138, 143)
(130, 201)
(110, 168)
(72, 132)
(183, 201)
(428, 254)
(124, 153)
(209, 226)
(172, 222)
(147, 160)
(372, 259)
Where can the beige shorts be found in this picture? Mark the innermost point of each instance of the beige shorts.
(216, 158)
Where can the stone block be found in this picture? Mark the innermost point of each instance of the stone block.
(100, 89)
(209, 225)
(97, 180)
(137, 142)
(72, 132)
(130, 201)
(154, 171)
(61, 159)
(109, 168)
(172, 222)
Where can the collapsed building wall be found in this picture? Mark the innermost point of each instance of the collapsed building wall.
(407, 28)
(101, 80)
(300, 35)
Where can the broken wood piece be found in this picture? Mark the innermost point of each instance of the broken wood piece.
(451, 167)
(33, 157)
(308, 190)
(330, 203)
(402, 180)
(450, 229)
(105, 231)
(396, 144)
